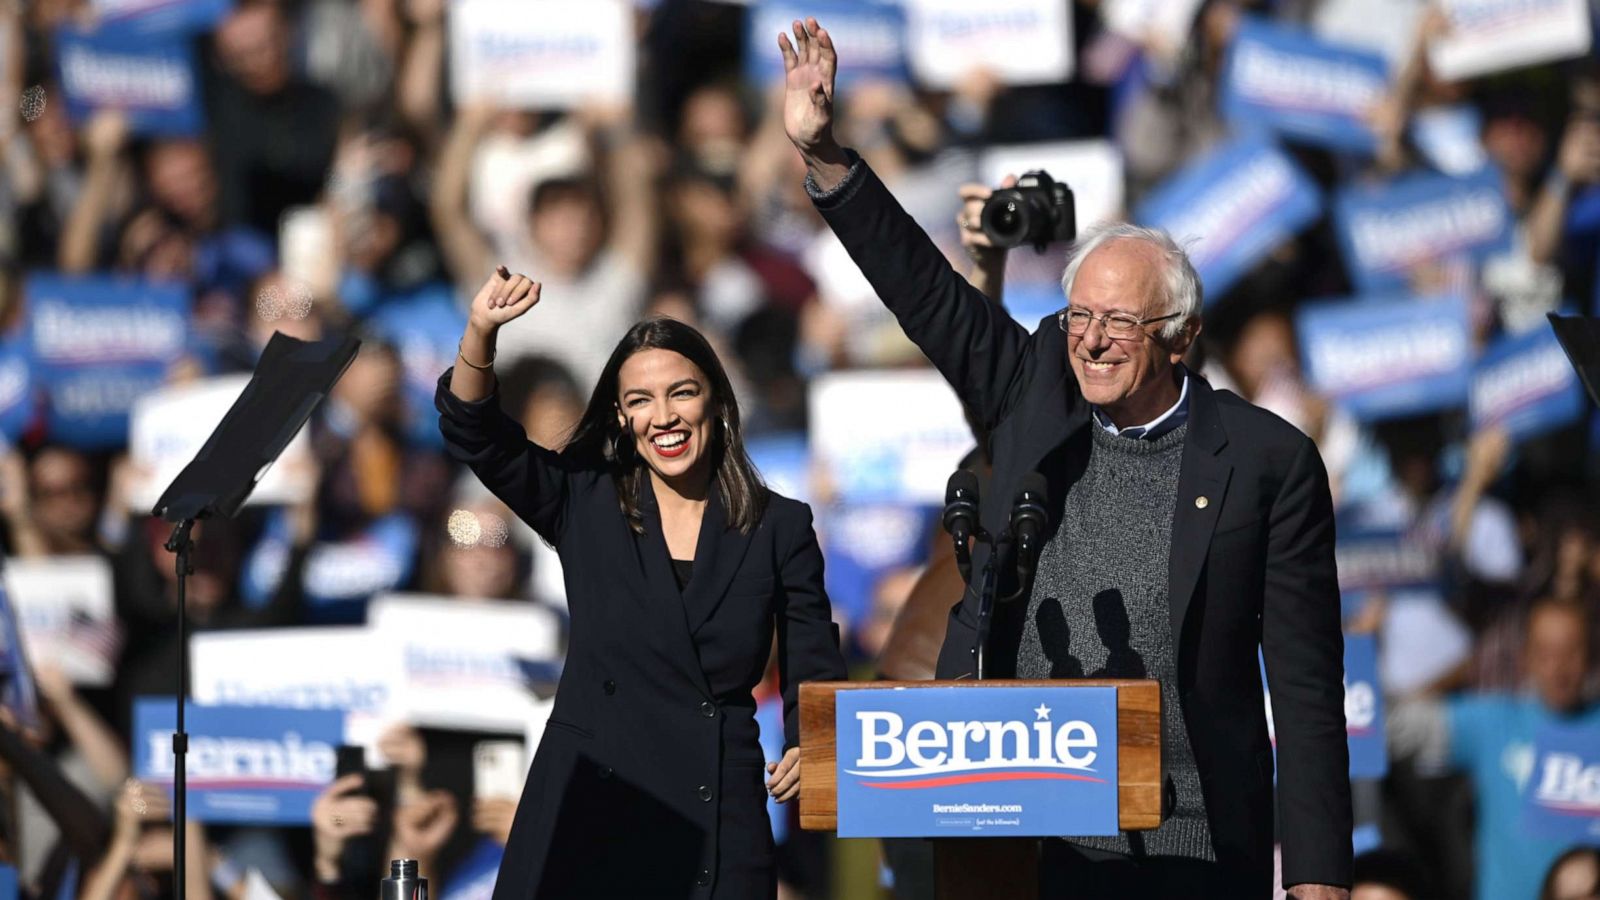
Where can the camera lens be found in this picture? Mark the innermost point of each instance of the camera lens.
(1005, 218)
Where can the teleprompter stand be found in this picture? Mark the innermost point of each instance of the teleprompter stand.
(290, 379)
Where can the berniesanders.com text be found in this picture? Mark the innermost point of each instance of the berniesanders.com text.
(977, 807)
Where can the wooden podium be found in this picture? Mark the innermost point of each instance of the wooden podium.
(988, 866)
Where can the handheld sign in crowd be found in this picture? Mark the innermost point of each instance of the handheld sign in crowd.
(17, 400)
(1383, 357)
(346, 669)
(1484, 36)
(1525, 385)
(169, 426)
(1562, 798)
(262, 765)
(151, 78)
(458, 658)
(1447, 137)
(1363, 708)
(541, 54)
(339, 574)
(869, 37)
(887, 437)
(98, 345)
(153, 16)
(65, 610)
(1232, 207)
(1161, 25)
(1387, 230)
(1017, 41)
(862, 543)
(1302, 87)
(420, 326)
(1012, 762)
(1384, 559)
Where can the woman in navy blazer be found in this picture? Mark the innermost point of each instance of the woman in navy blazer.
(680, 565)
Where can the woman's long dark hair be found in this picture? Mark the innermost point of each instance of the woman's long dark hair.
(598, 437)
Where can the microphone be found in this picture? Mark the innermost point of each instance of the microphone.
(961, 516)
(1029, 517)
(961, 505)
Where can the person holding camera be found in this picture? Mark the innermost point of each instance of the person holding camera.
(1189, 529)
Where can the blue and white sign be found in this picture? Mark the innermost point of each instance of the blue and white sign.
(1525, 384)
(541, 54)
(864, 542)
(422, 326)
(17, 400)
(473, 878)
(1384, 559)
(1564, 802)
(152, 16)
(870, 37)
(1302, 87)
(1002, 761)
(1363, 709)
(252, 764)
(1232, 207)
(1387, 230)
(152, 78)
(1388, 356)
(1017, 41)
(887, 436)
(98, 344)
(1484, 36)
(1447, 137)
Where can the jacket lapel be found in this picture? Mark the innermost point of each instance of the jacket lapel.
(1202, 490)
(717, 557)
(662, 601)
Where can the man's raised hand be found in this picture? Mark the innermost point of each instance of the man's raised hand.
(809, 65)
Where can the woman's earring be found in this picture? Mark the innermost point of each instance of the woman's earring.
(616, 448)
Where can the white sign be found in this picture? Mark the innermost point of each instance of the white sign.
(346, 668)
(1018, 41)
(1162, 25)
(66, 615)
(459, 658)
(168, 427)
(541, 54)
(1093, 169)
(1485, 36)
(888, 436)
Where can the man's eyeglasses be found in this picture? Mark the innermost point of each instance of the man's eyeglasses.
(1119, 326)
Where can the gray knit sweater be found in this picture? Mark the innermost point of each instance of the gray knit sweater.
(1099, 609)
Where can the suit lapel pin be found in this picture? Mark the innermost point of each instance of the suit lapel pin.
(1201, 502)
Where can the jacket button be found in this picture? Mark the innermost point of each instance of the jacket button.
(705, 793)
(610, 687)
(605, 771)
(704, 879)
(708, 709)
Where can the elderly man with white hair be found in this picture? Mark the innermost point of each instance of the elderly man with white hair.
(1190, 529)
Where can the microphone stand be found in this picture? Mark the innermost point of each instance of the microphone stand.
(988, 585)
(180, 544)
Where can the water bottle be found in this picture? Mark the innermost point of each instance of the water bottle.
(403, 883)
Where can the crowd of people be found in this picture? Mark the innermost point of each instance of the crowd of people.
(340, 186)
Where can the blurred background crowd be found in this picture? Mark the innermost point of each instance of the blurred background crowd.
(322, 167)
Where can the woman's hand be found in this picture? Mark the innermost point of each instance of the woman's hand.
(784, 785)
(502, 298)
(337, 816)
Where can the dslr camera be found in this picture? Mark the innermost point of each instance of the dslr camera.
(1038, 211)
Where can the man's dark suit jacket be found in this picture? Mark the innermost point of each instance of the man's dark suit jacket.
(648, 781)
(1251, 563)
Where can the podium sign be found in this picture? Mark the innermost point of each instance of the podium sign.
(1000, 761)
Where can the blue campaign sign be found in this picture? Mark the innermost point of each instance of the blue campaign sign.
(1302, 87)
(98, 344)
(423, 326)
(1384, 559)
(1381, 357)
(784, 461)
(246, 764)
(17, 388)
(1525, 384)
(164, 16)
(1564, 802)
(977, 761)
(870, 36)
(1388, 229)
(1447, 137)
(8, 883)
(17, 691)
(862, 543)
(1232, 207)
(1363, 708)
(151, 77)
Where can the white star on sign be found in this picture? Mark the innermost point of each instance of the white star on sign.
(1043, 711)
